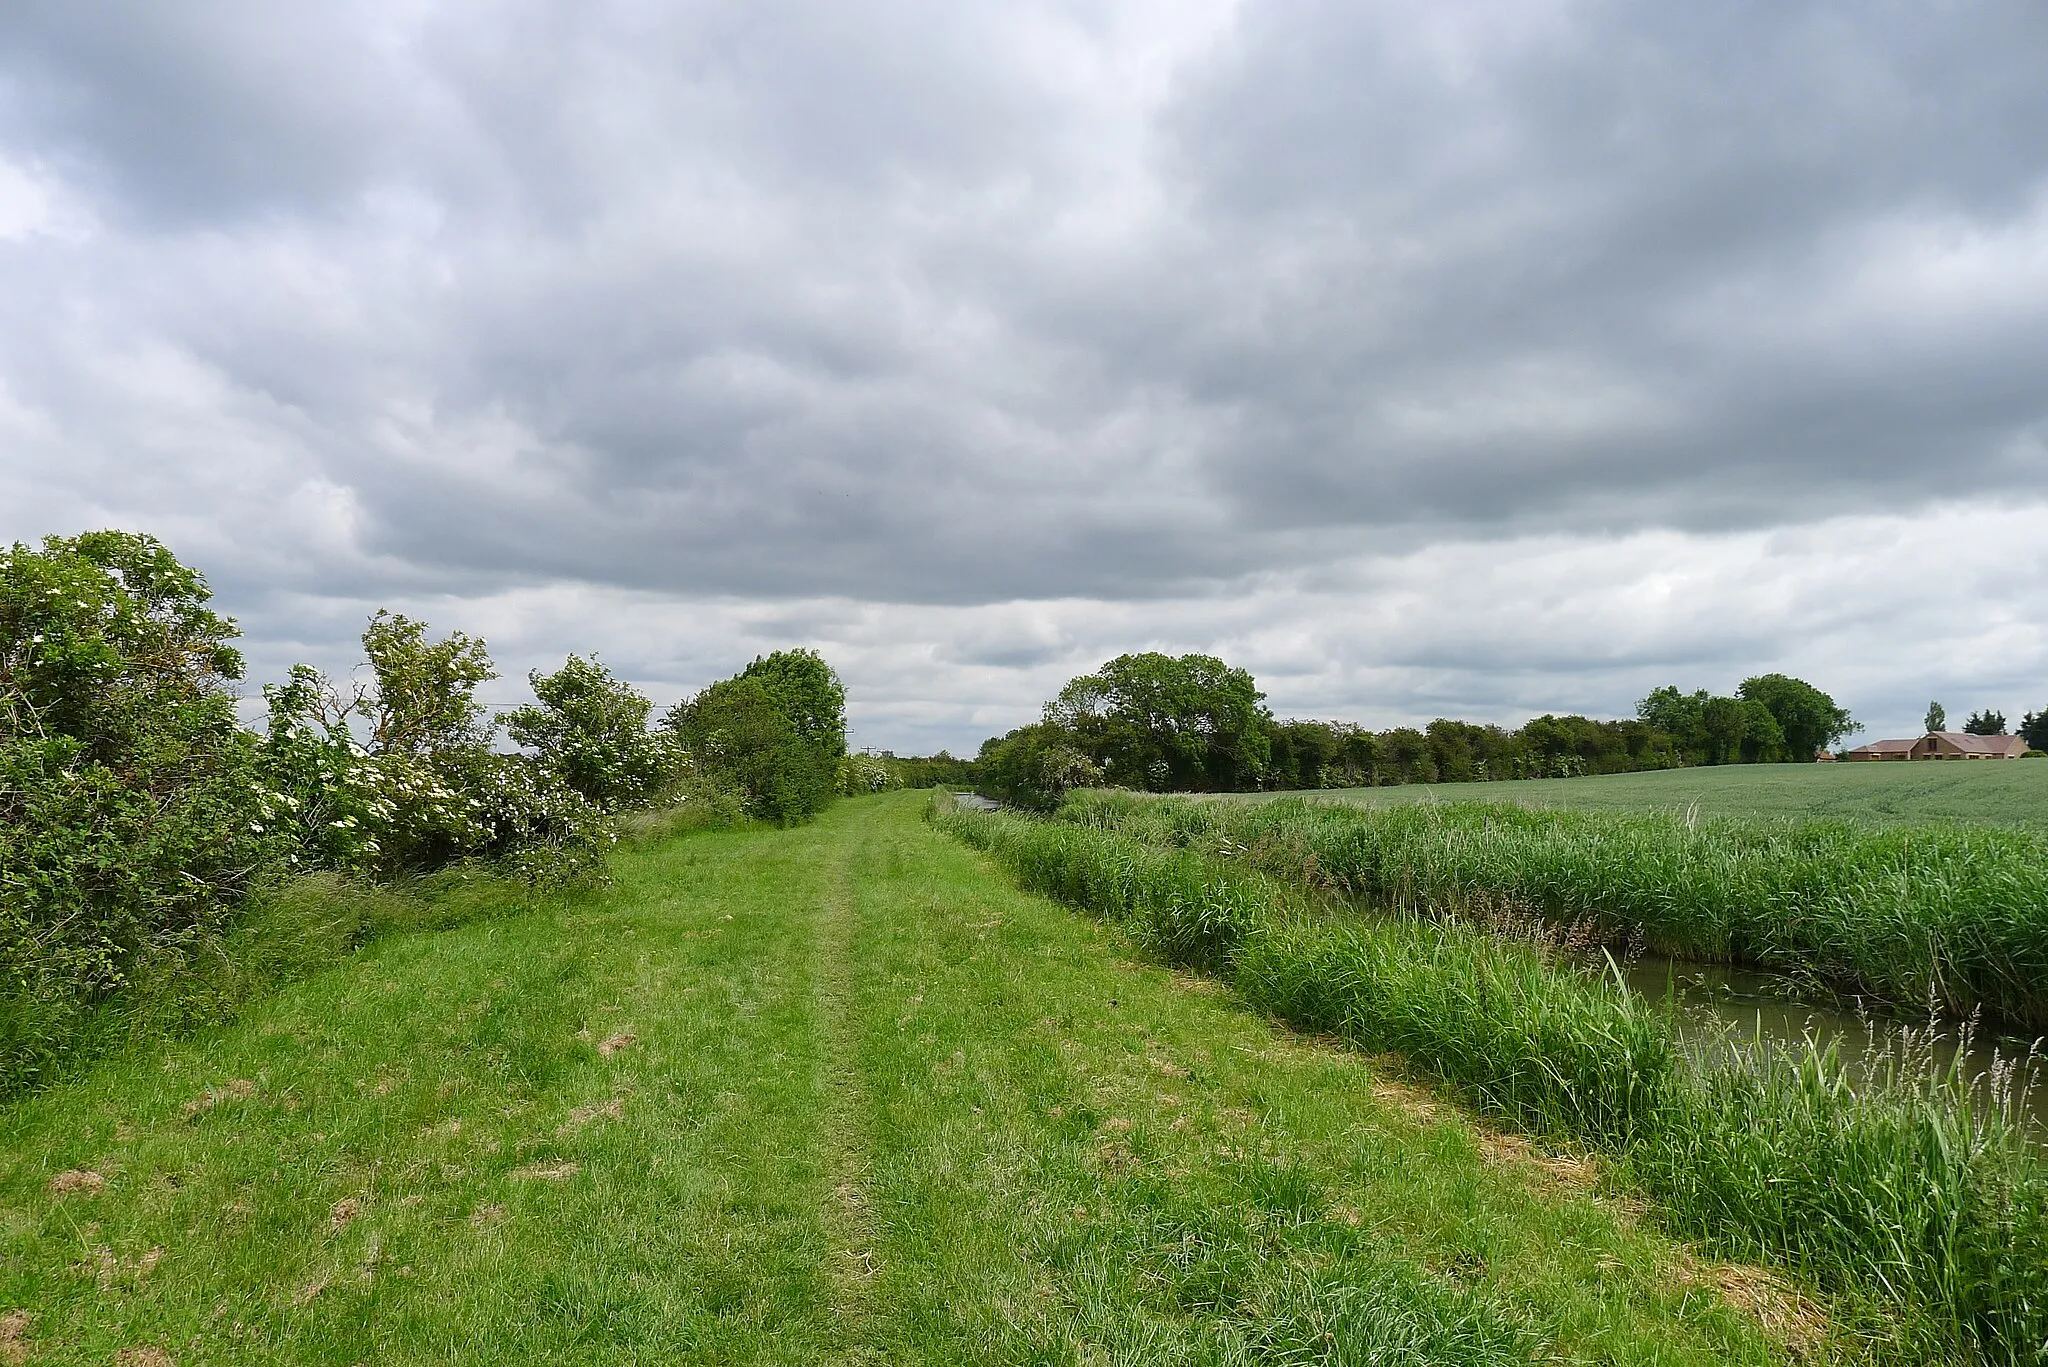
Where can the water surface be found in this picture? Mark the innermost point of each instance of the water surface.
(1720, 1005)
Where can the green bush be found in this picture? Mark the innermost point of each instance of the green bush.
(1033, 767)
(591, 729)
(774, 735)
(807, 691)
(738, 735)
(132, 811)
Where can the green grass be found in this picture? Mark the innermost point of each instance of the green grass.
(1946, 915)
(866, 1103)
(1904, 1193)
(1996, 793)
(283, 932)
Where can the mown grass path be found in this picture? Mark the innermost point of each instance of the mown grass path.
(837, 1093)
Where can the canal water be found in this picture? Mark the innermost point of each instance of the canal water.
(1720, 1006)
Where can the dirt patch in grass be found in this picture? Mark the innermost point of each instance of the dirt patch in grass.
(344, 1213)
(1572, 1170)
(546, 1172)
(1764, 1297)
(625, 1039)
(1411, 1101)
(14, 1344)
(76, 1180)
(596, 1110)
(144, 1357)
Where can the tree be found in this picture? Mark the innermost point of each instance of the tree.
(591, 729)
(738, 733)
(809, 693)
(1763, 739)
(1034, 766)
(424, 699)
(1807, 720)
(1985, 723)
(1163, 723)
(1937, 717)
(1682, 716)
(1404, 756)
(1724, 721)
(2034, 729)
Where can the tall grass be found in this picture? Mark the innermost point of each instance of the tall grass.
(1949, 915)
(1902, 1193)
(282, 932)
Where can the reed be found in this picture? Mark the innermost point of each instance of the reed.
(1952, 916)
(1902, 1190)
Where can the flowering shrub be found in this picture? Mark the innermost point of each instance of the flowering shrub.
(591, 729)
(138, 816)
(860, 774)
(131, 809)
(398, 775)
(1034, 766)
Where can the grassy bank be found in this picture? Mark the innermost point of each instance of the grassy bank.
(281, 934)
(831, 1094)
(2004, 793)
(1900, 1195)
(1955, 916)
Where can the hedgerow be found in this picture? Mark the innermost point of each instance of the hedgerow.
(141, 825)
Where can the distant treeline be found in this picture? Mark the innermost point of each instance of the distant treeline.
(928, 771)
(1192, 723)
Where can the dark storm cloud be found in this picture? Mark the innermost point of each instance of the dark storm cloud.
(943, 304)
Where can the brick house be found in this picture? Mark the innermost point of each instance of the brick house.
(1942, 745)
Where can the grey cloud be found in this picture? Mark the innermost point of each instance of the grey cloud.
(972, 306)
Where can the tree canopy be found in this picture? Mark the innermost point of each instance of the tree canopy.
(808, 692)
(1165, 723)
(1809, 720)
(740, 733)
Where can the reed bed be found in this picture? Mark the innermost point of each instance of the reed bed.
(1952, 917)
(1905, 1194)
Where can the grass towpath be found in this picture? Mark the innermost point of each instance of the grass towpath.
(831, 1094)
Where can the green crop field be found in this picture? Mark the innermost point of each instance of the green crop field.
(838, 1093)
(2004, 793)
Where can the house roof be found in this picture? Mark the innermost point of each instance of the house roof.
(1982, 745)
(1885, 747)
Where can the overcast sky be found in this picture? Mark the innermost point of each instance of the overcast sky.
(1426, 359)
